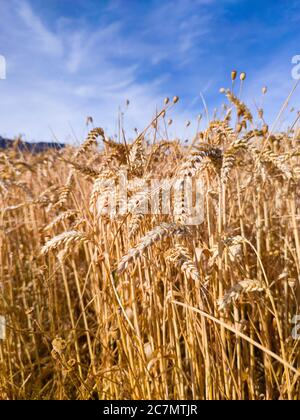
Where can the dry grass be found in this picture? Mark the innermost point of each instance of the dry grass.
(143, 306)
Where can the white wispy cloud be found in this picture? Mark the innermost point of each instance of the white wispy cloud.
(37, 32)
(68, 73)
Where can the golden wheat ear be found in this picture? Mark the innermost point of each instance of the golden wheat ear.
(238, 290)
(180, 257)
(90, 141)
(159, 233)
(66, 240)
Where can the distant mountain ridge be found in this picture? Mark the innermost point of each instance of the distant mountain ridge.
(31, 147)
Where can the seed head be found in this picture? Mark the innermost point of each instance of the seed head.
(243, 76)
(148, 351)
(89, 120)
(265, 129)
(239, 128)
(233, 75)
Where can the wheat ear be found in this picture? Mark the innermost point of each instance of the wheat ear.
(66, 239)
(180, 257)
(69, 214)
(91, 140)
(157, 234)
(239, 289)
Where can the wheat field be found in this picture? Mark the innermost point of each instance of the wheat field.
(147, 306)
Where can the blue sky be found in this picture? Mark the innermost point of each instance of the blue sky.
(67, 59)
